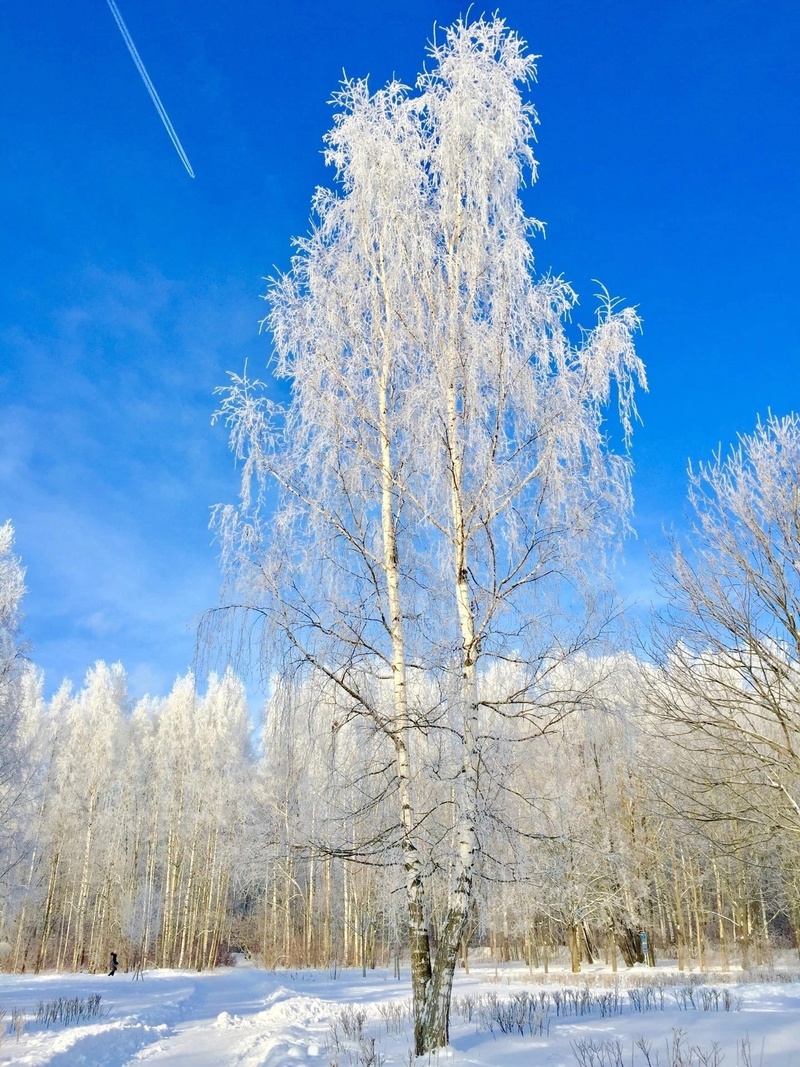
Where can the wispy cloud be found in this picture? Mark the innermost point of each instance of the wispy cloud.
(110, 468)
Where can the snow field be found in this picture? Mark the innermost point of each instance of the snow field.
(252, 1018)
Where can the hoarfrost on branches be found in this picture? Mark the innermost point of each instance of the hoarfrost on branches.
(729, 640)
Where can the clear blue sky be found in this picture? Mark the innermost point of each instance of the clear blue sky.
(669, 160)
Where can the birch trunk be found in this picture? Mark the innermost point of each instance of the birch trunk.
(83, 894)
(434, 1026)
(188, 891)
(144, 947)
(419, 945)
(47, 925)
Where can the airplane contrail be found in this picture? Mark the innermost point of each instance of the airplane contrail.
(137, 59)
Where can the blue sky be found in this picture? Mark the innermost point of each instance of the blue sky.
(669, 160)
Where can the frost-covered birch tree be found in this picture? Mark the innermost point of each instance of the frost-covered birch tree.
(729, 639)
(12, 669)
(422, 503)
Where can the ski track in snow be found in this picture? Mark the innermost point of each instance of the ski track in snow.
(244, 1017)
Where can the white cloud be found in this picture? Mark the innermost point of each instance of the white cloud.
(108, 468)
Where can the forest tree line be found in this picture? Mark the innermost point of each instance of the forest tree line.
(175, 830)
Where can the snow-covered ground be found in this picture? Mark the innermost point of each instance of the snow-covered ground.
(255, 1018)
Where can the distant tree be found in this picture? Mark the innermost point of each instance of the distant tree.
(90, 796)
(729, 641)
(13, 668)
(426, 501)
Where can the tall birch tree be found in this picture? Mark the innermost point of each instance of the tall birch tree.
(421, 503)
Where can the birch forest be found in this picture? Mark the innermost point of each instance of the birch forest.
(172, 832)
